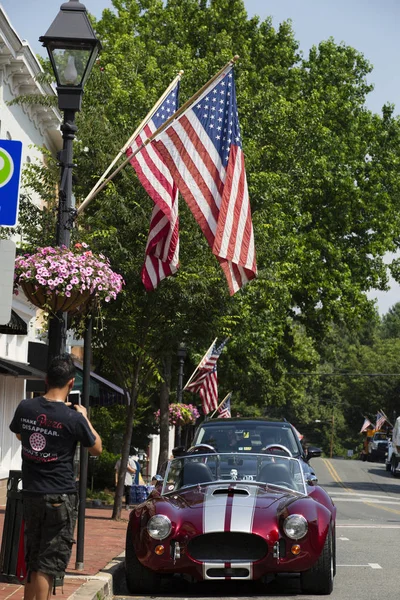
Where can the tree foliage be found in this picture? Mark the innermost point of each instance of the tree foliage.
(324, 182)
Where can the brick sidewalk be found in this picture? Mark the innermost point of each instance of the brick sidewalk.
(104, 540)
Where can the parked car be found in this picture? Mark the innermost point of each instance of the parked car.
(252, 435)
(392, 463)
(230, 516)
(377, 447)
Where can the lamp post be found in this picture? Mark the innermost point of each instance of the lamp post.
(72, 47)
(181, 356)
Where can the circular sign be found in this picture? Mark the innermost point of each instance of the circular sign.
(6, 167)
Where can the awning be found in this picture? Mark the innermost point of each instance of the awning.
(101, 391)
(15, 326)
(20, 370)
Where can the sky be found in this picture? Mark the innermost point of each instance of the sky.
(369, 26)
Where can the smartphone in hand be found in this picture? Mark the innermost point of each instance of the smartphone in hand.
(74, 397)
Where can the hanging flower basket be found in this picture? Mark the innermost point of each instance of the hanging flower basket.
(38, 295)
(67, 280)
(180, 414)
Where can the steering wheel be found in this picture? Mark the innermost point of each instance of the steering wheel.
(202, 449)
(278, 447)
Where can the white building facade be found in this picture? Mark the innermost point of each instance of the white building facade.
(35, 126)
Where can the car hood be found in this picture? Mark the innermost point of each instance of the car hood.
(231, 507)
(241, 495)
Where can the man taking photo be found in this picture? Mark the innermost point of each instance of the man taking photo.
(49, 429)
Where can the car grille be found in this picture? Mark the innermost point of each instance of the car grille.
(228, 546)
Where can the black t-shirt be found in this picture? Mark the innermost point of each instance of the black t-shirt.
(49, 434)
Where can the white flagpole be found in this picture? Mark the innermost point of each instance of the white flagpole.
(94, 191)
(197, 368)
(219, 405)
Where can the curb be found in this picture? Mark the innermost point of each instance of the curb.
(99, 586)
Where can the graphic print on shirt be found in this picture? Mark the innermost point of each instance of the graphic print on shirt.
(43, 430)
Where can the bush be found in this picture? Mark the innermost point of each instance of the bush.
(102, 470)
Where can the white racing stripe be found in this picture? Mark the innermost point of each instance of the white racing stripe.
(243, 511)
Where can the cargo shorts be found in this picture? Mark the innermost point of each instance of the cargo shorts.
(49, 532)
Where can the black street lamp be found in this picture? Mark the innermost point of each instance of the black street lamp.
(181, 356)
(72, 47)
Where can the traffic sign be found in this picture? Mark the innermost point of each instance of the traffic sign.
(10, 176)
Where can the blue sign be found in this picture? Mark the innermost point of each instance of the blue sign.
(10, 175)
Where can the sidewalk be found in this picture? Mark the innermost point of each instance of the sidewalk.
(104, 542)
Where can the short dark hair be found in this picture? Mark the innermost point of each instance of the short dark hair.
(60, 371)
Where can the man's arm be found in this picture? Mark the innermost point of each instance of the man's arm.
(97, 447)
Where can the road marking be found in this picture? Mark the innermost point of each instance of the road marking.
(368, 526)
(363, 495)
(370, 565)
(344, 539)
(336, 477)
(365, 501)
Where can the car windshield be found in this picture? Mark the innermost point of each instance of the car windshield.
(247, 437)
(207, 469)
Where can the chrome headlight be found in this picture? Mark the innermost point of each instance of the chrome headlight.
(159, 527)
(295, 527)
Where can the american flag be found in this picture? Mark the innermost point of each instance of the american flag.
(205, 381)
(367, 423)
(162, 249)
(203, 150)
(225, 408)
(380, 420)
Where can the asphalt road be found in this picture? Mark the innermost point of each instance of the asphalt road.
(368, 542)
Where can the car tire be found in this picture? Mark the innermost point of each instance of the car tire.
(139, 579)
(319, 579)
(393, 467)
(388, 466)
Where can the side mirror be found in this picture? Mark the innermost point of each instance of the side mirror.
(313, 452)
(311, 479)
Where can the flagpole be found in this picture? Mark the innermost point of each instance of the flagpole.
(93, 192)
(158, 131)
(219, 405)
(197, 368)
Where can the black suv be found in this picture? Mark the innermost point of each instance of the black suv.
(253, 435)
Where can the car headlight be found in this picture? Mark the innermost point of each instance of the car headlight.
(295, 527)
(159, 527)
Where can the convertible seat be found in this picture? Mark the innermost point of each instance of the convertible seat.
(195, 472)
(276, 473)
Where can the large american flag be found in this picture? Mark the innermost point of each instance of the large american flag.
(205, 381)
(162, 249)
(203, 151)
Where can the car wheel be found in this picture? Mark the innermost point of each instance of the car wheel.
(388, 466)
(319, 579)
(138, 578)
(393, 467)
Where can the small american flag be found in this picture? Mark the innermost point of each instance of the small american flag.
(162, 249)
(380, 420)
(367, 423)
(205, 381)
(225, 408)
(203, 150)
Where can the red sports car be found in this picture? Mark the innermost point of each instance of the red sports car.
(224, 516)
